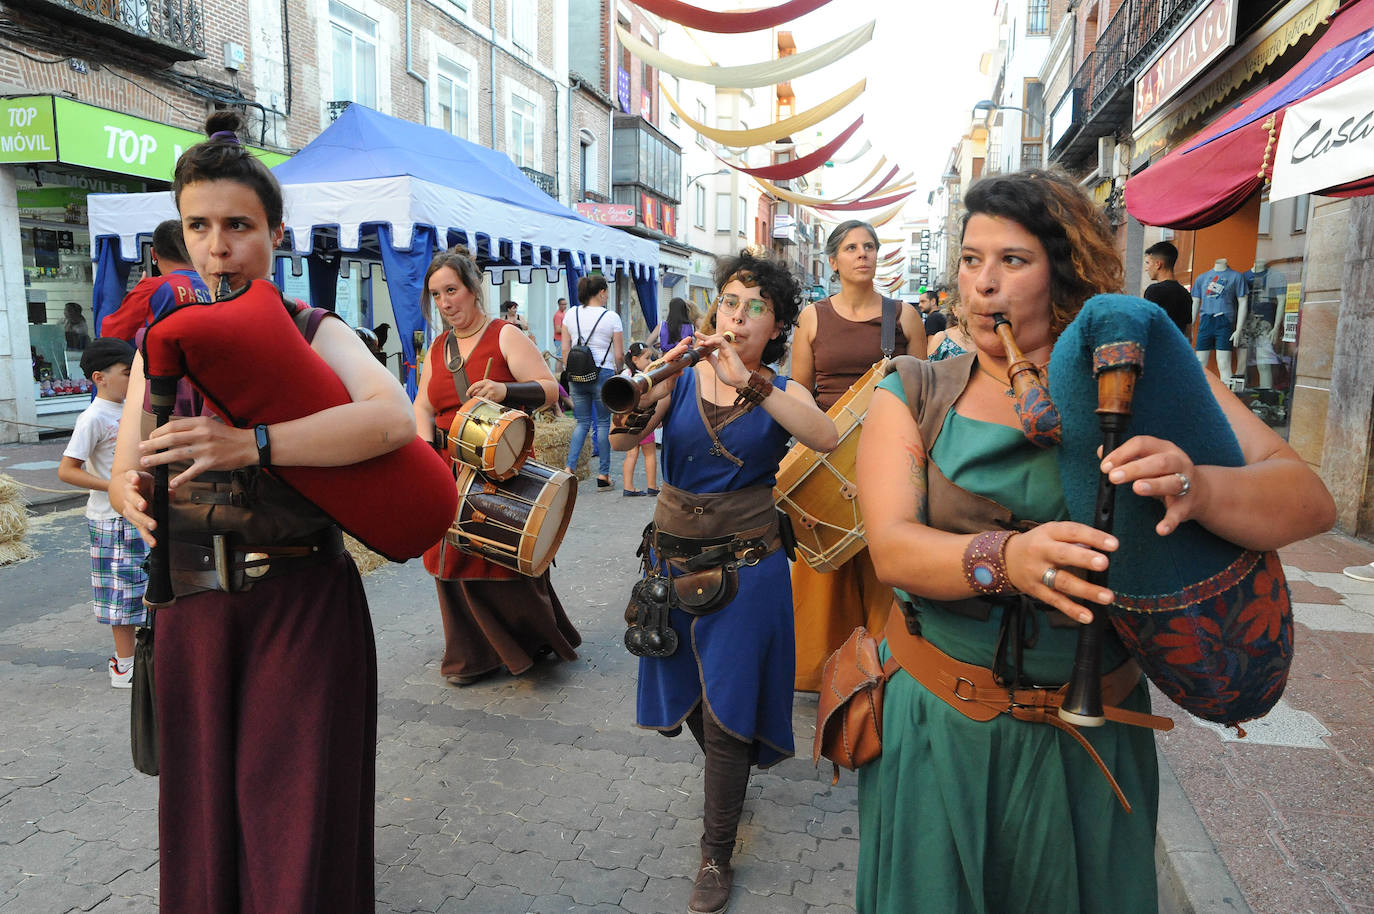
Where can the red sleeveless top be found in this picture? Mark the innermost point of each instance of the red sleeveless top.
(442, 559)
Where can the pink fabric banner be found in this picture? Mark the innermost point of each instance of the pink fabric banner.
(729, 23)
(808, 163)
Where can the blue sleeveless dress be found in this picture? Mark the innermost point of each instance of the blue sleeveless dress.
(740, 659)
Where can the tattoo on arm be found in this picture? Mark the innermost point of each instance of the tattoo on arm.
(916, 476)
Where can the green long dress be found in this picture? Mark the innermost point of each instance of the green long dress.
(1004, 817)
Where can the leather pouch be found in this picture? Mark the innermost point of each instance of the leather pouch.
(142, 707)
(849, 712)
(703, 592)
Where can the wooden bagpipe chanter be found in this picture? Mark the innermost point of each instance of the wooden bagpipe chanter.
(248, 358)
(1209, 622)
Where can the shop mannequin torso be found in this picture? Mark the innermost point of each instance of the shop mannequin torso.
(1262, 328)
(1220, 307)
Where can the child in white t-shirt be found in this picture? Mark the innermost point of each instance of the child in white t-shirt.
(639, 356)
(117, 551)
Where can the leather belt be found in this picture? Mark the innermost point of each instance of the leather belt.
(217, 562)
(974, 692)
(697, 554)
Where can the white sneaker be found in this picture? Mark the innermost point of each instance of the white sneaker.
(1361, 572)
(118, 680)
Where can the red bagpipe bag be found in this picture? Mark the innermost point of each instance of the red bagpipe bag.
(1209, 622)
(248, 359)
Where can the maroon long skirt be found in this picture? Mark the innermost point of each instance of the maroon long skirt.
(489, 624)
(267, 727)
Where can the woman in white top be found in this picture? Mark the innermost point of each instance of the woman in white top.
(600, 329)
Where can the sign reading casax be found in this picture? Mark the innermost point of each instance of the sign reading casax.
(1204, 39)
(1326, 140)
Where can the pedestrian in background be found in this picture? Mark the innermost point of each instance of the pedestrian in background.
(1166, 291)
(678, 325)
(175, 284)
(117, 551)
(639, 355)
(594, 325)
(931, 314)
(558, 330)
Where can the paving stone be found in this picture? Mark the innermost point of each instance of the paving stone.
(53, 893)
(831, 888)
(530, 871)
(566, 810)
(102, 862)
(660, 895)
(548, 839)
(412, 889)
(608, 851)
(497, 899)
(592, 885)
(446, 854)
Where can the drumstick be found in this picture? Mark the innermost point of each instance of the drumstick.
(487, 370)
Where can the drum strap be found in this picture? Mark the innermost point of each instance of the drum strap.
(453, 361)
(888, 340)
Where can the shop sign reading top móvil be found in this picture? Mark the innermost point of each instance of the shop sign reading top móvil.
(46, 128)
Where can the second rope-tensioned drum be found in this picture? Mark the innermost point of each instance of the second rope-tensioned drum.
(818, 491)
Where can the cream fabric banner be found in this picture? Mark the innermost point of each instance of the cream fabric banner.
(785, 127)
(1326, 140)
(754, 75)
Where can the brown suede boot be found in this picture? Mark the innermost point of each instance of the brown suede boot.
(711, 893)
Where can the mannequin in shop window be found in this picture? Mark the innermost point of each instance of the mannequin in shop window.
(1261, 330)
(1220, 308)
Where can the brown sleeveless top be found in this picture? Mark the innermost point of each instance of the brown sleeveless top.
(844, 350)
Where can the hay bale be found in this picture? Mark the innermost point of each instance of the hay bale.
(366, 560)
(14, 522)
(553, 436)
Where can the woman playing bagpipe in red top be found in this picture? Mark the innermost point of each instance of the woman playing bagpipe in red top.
(266, 668)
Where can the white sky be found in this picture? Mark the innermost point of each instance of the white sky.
(923, 80)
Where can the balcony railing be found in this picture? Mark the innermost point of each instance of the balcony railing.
(1137, 30)
(167, 29)
(547, 183)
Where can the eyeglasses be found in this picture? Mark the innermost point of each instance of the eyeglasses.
(754, 307)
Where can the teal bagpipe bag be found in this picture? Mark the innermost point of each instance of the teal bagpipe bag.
(1209, 622)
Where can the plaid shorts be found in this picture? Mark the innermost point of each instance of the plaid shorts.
(117, 577)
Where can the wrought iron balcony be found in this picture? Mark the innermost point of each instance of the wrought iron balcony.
(336, 108)
(1104, 78)
(168, 30)
(547, 183)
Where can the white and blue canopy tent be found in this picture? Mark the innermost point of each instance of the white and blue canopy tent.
(375, 187)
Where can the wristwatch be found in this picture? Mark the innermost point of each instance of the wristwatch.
(264, 445)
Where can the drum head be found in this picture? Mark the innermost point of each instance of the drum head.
(510, 444)
(555, 503)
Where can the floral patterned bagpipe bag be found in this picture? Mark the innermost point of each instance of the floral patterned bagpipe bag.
(1209, 622)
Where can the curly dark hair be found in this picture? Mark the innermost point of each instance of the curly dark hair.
(779, 287)
(1072, 228)
(223, 157)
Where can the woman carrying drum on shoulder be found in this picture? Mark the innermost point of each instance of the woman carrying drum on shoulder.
(493, 616)
(1008, 815)
(836, 343)
(266, 697)
(726, 425)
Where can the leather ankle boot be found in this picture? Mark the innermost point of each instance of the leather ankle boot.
(711, 893)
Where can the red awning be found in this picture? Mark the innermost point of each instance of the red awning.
(1210, 176)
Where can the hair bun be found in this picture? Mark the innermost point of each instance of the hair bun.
(224, 120)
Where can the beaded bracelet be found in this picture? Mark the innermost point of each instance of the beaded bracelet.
(985, 562)
(755, 392)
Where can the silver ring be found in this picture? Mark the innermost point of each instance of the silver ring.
(1048, 577)
(1185, 483)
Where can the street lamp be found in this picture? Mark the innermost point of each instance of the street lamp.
(989, 105)
(690, 181)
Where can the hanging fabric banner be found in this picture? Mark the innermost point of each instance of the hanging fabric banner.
(786, 171)
(886, 217)
(785, 127)
(825, 203)
(863, 151)
(754, 75)
(694, 17)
